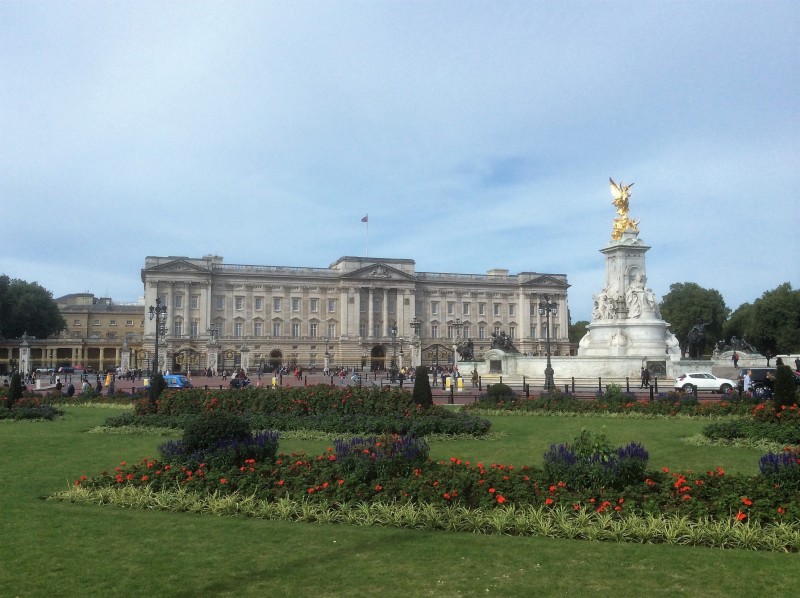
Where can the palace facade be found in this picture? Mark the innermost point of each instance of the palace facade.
(360, 312)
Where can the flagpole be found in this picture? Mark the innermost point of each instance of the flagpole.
(367, 245)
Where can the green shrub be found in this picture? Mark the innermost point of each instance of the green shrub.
(422, 394)
(591, 461)
(157, 386)
(14, 390)
(785, 392)
(499, 393)
(207, 430)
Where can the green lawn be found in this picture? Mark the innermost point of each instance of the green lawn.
(51, 548)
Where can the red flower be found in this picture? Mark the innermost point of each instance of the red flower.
(501, 499)
(378, 488)
(491, 490)
(145, 478)
(223, 481)
(549, 501)
(740, 516)
(747, 501)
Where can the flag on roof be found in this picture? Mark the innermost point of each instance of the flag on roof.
(365, 218)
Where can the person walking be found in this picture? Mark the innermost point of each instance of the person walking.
(645, 378)
(735, 359)
(748, 381)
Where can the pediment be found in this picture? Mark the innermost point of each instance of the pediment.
(178, 265)
(378, 271)
(546, 280)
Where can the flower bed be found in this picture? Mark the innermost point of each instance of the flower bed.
(321, 407)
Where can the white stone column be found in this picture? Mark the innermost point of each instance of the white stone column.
(385, 313)
(370, 310)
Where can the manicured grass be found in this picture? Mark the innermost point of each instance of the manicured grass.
(53, 548)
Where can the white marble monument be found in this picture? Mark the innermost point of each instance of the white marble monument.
(626, 321)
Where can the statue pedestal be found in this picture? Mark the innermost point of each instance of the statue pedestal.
(625, 320)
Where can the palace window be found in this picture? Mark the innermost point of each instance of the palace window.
(276, 329)
(465, 309)
(178, 301)
(313, 305)
(238, 329)
(512, 310)
(295, 303)
(239, 303)
(194, 326)
(257, 329)
(434, 331)
(178, 327)
(481, 331)
(481, 309)
(259, 303)
(219, 300)
(276, 304)
(434, 308)
(331, 306)
(312, 330)
(331, 330)
(194, 302)
(496, 309)
(451, 308)
(296, 330)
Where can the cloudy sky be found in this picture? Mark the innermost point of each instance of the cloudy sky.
(476, 135)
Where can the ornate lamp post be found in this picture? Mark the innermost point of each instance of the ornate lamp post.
(547, 307)
(159, 313)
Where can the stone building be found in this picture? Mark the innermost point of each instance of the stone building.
(360, 312)
(100, 334)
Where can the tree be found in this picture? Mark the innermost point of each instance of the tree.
(687, 303)
(28, 308)
(774, 322)
(422, 394)
(577, 331)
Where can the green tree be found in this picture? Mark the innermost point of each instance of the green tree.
(422, 393)
(774, 322)
(28, 307)
(736, 325)
(687, 303)
(577, 331)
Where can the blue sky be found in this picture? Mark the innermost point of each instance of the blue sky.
(476, 135)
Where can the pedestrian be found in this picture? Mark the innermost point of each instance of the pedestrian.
(797, 364)
(642, 377)
(735, 359)
(99, 388)
(768, 355)
(645, 378)
(748, 381)
(475, 378)
(70, 390)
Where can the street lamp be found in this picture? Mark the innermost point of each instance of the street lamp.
(546, 308)
(159, 312)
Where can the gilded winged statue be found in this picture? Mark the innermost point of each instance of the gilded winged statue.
(621, 193)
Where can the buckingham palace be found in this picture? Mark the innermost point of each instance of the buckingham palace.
(360, 312)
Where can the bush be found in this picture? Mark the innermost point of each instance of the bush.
(785, 392)
(157, 386)
(226, 453)
(591, 461)
(207, 430)
(422, 394)
(782, 468)
(499, 393)
(14, 390)
(385, 455)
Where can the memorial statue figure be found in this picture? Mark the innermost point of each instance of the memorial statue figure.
(503, 342)
(634, 296)
(466, 350)
(695, 340)
(621, 194)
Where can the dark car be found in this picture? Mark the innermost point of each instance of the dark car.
(240, 382)
(66, 370)
(762, 381)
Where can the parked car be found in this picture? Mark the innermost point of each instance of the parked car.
(177, 381)
(240, 382)
(66, 370)
(44, 370)
(762, 381)
(703, 381)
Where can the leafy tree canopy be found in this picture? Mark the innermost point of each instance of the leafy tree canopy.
(687, 303)
(577, 331)
(27, 307)
(771, 323)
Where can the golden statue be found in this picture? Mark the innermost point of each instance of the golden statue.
(621, 193)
